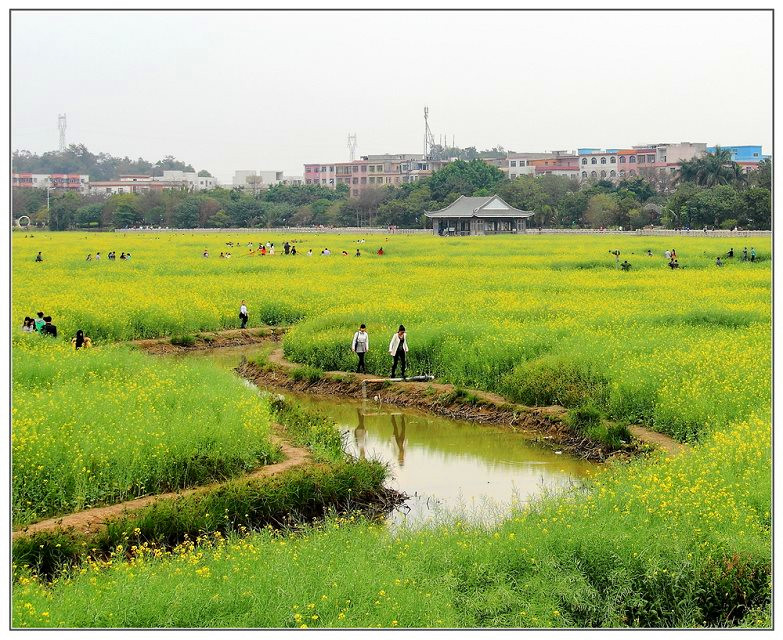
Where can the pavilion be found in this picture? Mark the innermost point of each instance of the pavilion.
(477, 216)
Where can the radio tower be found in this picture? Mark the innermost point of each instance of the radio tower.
(429, 139)
(61, 124)
(352, 146)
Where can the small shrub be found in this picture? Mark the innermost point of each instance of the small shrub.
(306, 372)
(184, 340)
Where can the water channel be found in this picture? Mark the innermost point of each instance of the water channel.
(446, 466)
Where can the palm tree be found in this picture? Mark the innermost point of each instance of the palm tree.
(711, 169)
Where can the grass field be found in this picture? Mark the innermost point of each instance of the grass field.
(542, 320)
(108, 424)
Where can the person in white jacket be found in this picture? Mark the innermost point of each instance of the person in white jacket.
(361, 345)
(398, 347)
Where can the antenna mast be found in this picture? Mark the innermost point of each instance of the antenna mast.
(352, 146)
(61, 124)
(429, 139)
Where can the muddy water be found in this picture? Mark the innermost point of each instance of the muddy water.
(477, 471)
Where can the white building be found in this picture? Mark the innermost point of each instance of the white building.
(66, 181)
(189, 180)
(256, 180)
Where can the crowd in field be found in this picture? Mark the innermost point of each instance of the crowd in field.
(673, 262)
(43, 326)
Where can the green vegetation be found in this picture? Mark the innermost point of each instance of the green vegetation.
(306, 372)
(310, 429)
(107, 424)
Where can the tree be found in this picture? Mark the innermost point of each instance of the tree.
(62, 211)
(756, 208)
(762, 176)
(524, 192)
(463, 178)
(571, 209)
(219, 220)
(710, 169)
(186, 214)
(640, 187)
(89, 215)
(127, 215)
(601, 211)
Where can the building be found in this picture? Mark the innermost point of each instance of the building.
(188, 180)
(250, 179)
(642, 160)
(134, 183)
(372, 171)
(66, 181)
(477, 216)
(744, 153)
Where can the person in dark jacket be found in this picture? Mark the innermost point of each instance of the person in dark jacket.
(49, 329)
(39, 257)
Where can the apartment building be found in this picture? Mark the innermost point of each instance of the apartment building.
(66, 181)
(372, 171)
(189, 180)
(642, 160)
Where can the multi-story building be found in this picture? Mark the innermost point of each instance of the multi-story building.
(253, 180)
(372, 171)
(743, 153)
(643, 160)
(536, 164)
(133, 183)
(66, 181)
(189, 180)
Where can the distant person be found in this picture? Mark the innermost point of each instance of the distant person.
(345, 253)
(205, 254)
(668, 254)
(293, 250)
(730, 254)
(98, 255)
(28, 326)
(326, 252)
(39, 321)
(89, 257)
(380, 251)
(286, 248)
(625, 266)
(243, 314)
(360, 346)
(616, 254)
(718, 262)
(222, 255)
(48, 329)
(127, 256)
(263, 250)
(122, 256)
(673, 264)
(309, 252)
(272, 249)
(649, 252)
(39, 257)
(745, 254)
(357, 254)
(674, 254)
(752, 254)
(111, 255)
(398, 347)
(80, 341)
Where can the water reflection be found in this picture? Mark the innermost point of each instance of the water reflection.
(447, 465)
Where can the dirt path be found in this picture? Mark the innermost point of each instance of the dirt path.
(659, 440)
(92, 520)
(642, 434)
(207, 340)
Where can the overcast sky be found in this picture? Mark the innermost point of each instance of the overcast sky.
(247, 90)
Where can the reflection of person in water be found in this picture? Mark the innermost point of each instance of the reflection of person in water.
(399, 438)
(360, 435)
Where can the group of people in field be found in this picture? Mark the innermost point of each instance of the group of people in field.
(289, 249)
(112, 255)
(673, 262)
(43, 326)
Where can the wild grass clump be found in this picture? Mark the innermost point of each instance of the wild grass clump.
(107, 424)
(183, 340)
(590, 422)
(308, 373)
(460, 396)
(309, 428)
(556, 381)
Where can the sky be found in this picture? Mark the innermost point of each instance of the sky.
(274, 90)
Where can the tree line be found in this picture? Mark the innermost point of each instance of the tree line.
(709, 191)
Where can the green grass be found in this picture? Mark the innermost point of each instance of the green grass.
(107, 424)
(634, 549)
(308, 428)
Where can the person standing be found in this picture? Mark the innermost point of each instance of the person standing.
(752, 254)
(286, 248)
(243, 314)
(360, 346)
(398, 347)
(745, 254)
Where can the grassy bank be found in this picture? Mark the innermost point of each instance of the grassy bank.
(636, 549)
(108, 424)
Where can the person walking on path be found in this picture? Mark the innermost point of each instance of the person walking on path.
(398, 347)
(243, 314)
(360, 346)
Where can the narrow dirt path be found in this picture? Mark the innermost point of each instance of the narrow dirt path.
(644, 435)
(92, 520)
